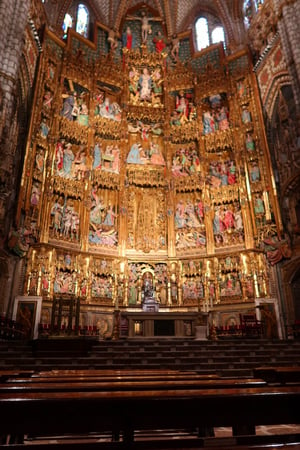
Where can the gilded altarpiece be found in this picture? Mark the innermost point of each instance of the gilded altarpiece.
(142, 169)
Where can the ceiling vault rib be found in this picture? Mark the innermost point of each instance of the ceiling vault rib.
(169, 26)
(121, 11)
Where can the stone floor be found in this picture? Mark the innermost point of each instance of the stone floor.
(221, 432)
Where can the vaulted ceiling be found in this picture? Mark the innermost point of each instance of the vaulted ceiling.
(178, 15)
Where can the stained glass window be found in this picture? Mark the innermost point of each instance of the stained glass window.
(202, 37)
(247, 8)
(250, 8)
(258, 4)
(217, 35)
(82, 23)
(68, 22)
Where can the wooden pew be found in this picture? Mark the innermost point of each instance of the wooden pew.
(50, 413)
(282, 375)
(283, 443)
(86, 385)
(111, 380)
(111, 375)
(115, 372)
(83, 390)
(9, 373)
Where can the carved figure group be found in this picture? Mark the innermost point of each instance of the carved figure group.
(110, 110)
(145, 87)
(75, 108)
(140, 155)
(185, 162)
(216, 117)
(192, 289)
(64, 282)
(227, 224)
(230, 285)
(222, 173)
(184, 111)
(188, 214)
(102, 221)
(107, 160)
(65, 219)
(69, 165)
(101, 286)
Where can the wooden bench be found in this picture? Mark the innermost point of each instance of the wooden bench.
(86, 385)
(250, 326)
(238, 443)
(50, 411)
(124, 401)
(282, 375)
(116, 380)
(9, 373)
(114, 372)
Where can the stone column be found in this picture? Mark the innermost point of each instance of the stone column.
(14, 15)
(12, 30)
(288, 13)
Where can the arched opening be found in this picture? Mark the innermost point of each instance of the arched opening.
(83, 19)
(68, 23)
(208, 31)
(202, 36)
(217, 35)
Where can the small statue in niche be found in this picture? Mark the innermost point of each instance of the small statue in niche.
(69, 106)
(35, 196)
(145, 85)
(254, 172)
(209, 125)
(110, 110)
(259, 207)
(182, 106)
(242, 90)
(44, 129)
(48, 97)
(250, 144)
(83, 116)
(246, 115)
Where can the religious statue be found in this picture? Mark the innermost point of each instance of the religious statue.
(44, 129)
(182, 106)
(97, 156)
(145, 85)
(128, 39)
(159, 42)
(112, 40)
(83, 116)
(175, 47)
(69, 102)
(209, 125)
(246, 115)
(254, 172)
(250, 144)
(110, 110)
(146, 26)
(134, 156)
(277, 249)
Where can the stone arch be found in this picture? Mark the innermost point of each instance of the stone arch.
(66, 4)
(207, 8)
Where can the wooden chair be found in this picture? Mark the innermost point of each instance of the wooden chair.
(250, 326)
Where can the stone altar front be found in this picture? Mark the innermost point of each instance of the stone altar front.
(155, 324)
